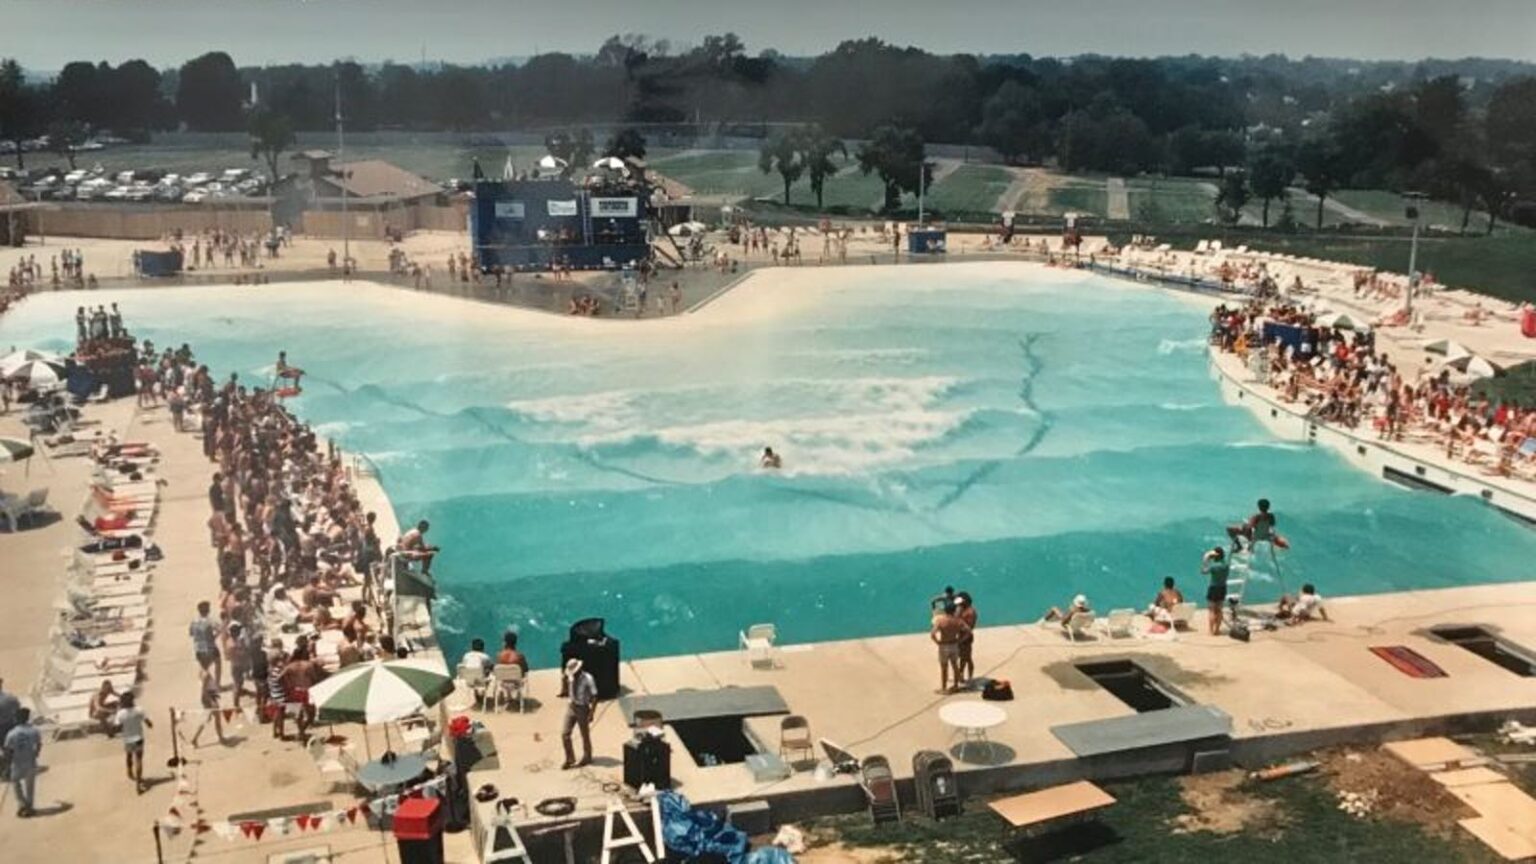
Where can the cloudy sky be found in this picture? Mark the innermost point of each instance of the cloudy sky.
(44, 34)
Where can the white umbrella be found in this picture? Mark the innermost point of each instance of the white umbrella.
(38, 374)
(687, 229)
(1449, 348)
(15, 450)
(611, 162)
(552, 162)
(12, 361)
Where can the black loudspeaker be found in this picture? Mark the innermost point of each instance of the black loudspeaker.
(598, 653)
(647, 759)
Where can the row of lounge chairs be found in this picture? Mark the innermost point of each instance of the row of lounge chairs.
(103, 610)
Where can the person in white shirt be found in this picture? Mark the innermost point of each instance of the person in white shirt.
(131, 723)
(1307, 606)
(476, 656)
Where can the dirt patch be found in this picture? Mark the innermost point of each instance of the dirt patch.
(837, 853)
(1401, 792)
(1219, 806)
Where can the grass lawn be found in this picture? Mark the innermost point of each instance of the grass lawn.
(1285, 822)
(1171, 199)
(1079, 195)
(969, 189)
(1389, 206)
(1503, 265)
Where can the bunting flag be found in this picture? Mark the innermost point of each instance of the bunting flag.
(374, 813)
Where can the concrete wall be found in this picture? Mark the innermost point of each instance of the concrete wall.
(147, 221)
(372, 222)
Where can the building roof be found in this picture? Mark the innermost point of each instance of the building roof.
(312, 155)
(374, 178)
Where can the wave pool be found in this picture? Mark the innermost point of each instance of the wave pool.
(1018, 432)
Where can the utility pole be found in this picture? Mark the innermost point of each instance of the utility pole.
(341, 149)
(922, 176)
(1412, 212)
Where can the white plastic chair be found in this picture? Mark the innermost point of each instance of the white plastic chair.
(758, 641)
(1121, 624)
(509, 681)
(1183, 616)
(472, 676)
(1080, 624)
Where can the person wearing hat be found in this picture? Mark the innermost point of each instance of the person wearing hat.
(1079, 606)
(578, 713)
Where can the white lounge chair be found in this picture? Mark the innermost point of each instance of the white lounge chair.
(758, 641)
(1079, 625)
(1183, 615)
(1121, 624)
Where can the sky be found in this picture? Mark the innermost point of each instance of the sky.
(45, 34)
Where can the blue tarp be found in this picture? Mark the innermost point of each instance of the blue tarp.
(1288, 335)
(692, 833)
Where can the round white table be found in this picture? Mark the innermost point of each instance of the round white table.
(377, 776)
(971, 719)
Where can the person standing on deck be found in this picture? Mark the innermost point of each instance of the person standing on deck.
(22, 746)
(1214, 565)
(578, 714)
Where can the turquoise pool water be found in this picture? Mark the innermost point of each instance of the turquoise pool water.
(1021, 433)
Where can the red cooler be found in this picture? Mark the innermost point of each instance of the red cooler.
(419, 831)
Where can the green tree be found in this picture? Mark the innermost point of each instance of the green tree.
(1010, 120)
(271, 134)
(627, 143)
(582, 148)
(784, 154)
(64, 138)
(1320, 163)
(819, 148)
(1232, 196)
(208, 93)
(20, 109)
(898, 156)
(1269, 176)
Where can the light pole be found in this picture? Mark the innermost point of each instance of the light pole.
(341, 149)
(1411, 210)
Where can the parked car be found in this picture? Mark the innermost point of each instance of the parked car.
(95, 187)
(76, 176)
(123, 177)
(141, 192)
(168, 192)
(199, 178)
(196, 196)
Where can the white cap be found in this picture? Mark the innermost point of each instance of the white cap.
(1080, 600)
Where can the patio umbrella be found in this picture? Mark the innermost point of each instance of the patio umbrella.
(380, 692)
(15, 450)
(14, 360)
(38, 374)
(1449, 348)
(611, 162)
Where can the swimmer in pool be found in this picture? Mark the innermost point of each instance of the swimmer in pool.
(770, 459)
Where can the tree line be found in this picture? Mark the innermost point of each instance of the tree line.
(1463, 131)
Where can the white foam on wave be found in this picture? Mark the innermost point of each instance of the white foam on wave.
(826, 445)
(1268, 445)
(333, 429)
(1189, 346)
(628, 410)
(1183, 406)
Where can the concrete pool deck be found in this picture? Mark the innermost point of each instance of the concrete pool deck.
(1286, 691)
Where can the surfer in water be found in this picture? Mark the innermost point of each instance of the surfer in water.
(1260, 527)
(770, 459)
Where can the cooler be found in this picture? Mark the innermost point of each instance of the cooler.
(419, 831)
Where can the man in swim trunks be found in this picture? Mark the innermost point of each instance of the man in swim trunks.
(770, 459)
(1260, 527)
(1214, 565)
(948, 632)
(413, 546)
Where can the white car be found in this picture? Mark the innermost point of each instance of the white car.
(199, 178)
(171, 180)
(171, 193)
(235, 175)
(124, 177)
(76, 176)
(116, 193)
(141, 192)
(93, 188)
(196, 196)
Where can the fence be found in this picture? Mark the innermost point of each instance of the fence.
(148, 221)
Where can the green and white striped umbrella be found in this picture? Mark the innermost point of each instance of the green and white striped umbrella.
(15, 450)
(380, 692)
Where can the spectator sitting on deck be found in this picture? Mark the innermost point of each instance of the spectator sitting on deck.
(1307, 606)
(413, 546)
